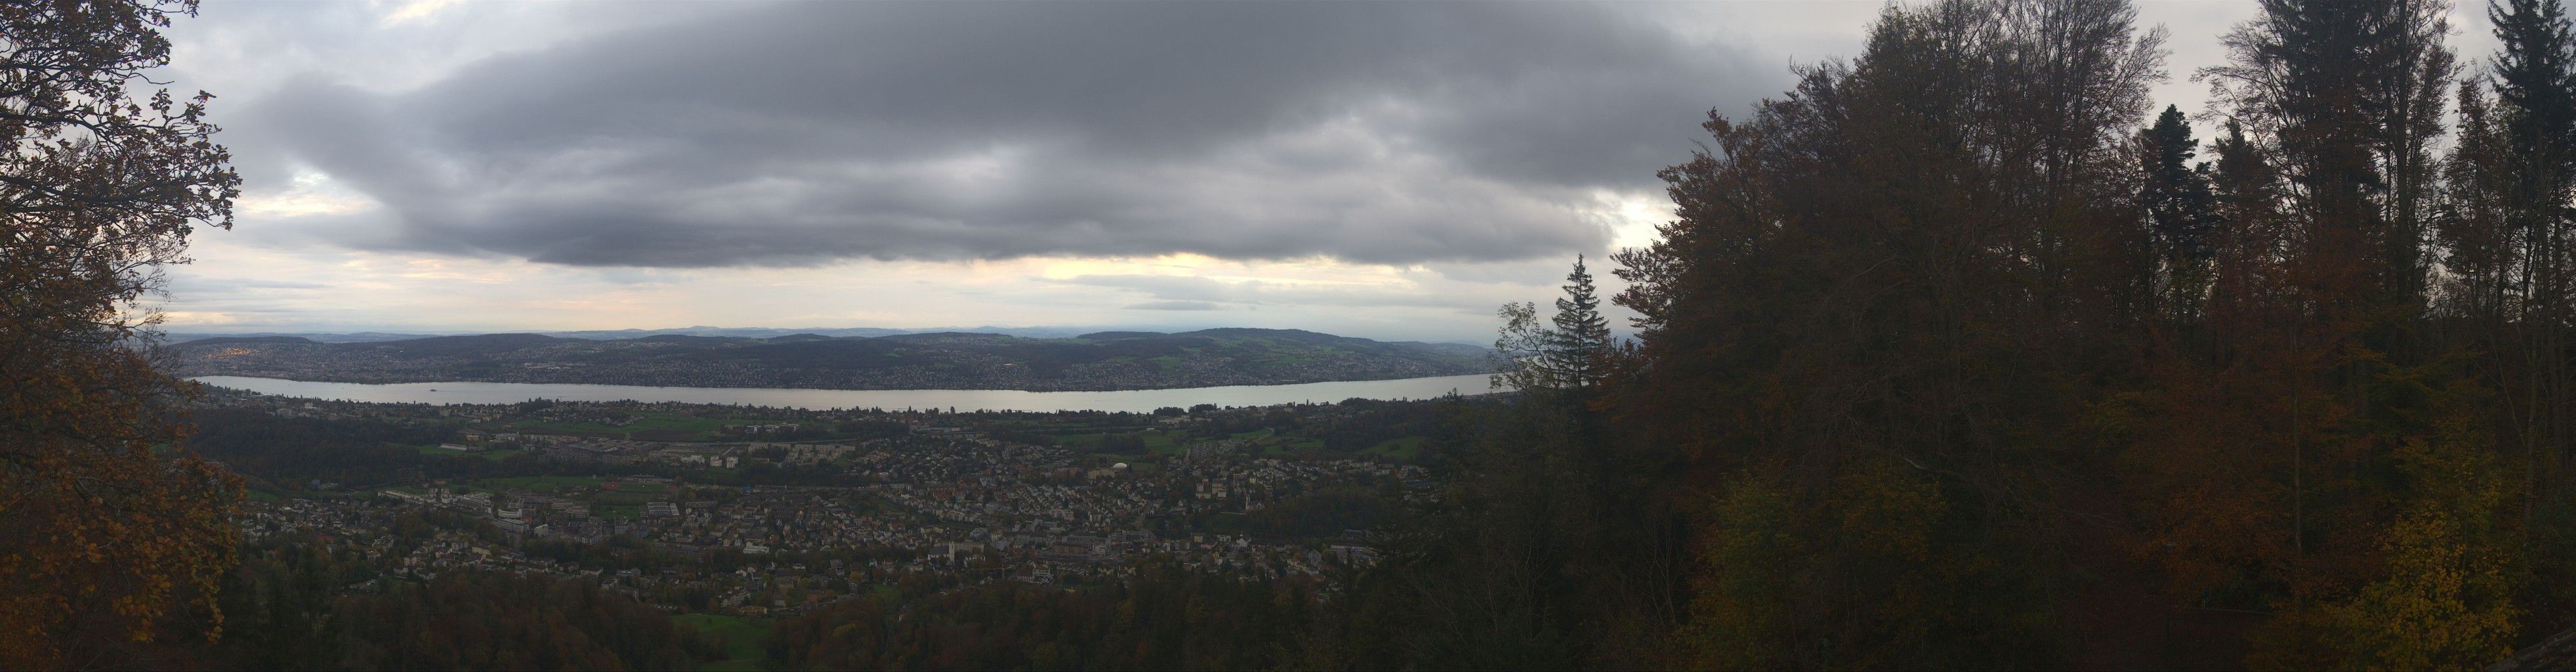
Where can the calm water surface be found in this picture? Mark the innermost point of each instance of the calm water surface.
(997, 400)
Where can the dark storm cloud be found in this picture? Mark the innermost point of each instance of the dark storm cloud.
(811, 132)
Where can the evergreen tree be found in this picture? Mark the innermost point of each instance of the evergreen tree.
(2529, 163)
(1581, 338)
(2181, 211)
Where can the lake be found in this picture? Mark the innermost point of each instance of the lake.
(995, 400)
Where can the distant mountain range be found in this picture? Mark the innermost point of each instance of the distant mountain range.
(1107, 360)
(623, 334)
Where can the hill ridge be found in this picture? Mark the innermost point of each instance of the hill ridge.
(1105, 360)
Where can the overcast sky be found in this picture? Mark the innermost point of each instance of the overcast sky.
(1391, 171)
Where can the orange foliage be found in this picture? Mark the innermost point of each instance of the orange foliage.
(105, 539)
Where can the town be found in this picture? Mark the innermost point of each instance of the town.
(770, 512)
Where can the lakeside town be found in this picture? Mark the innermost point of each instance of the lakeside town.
(762, 513)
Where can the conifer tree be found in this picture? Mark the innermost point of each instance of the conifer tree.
(2181, 211)
(1580, 339)
(2534, 79)
(2529, 166)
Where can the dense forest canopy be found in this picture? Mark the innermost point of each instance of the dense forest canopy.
(1968, 369)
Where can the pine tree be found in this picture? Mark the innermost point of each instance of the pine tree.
(2181, 211)
(2531, 160)
(1575, 347)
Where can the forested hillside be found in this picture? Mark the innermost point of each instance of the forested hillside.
(1956, 355)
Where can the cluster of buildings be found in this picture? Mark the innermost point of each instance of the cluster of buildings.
(955, 503)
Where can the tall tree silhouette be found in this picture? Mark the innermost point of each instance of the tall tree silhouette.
(1576, 348)
(106, 536)
(1862, 326)
(2181, 213)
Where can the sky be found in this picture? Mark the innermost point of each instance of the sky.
(1391, 171)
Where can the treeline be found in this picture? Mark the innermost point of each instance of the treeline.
(299, 603)
(296, 450)
(1946, 361)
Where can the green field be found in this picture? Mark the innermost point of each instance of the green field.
(1272, 445)
(610, 497)
(742, 638)
(542, 483)
(1157, 443)
(1403, 449)
(648, 421)
(493, 455)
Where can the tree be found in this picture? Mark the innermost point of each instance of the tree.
(2181, 211)
(1569, 353)
(114, 529)
(2350, 96)
(1871, 320)
(2519, 217)
(1581, 339)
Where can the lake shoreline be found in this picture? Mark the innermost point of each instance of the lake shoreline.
(467, 392)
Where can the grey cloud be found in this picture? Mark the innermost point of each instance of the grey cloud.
(1175, 287)
(192, 283)
(813, 132)
(1176, 305)
(1187, 289)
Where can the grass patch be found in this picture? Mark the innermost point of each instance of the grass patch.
(634, 498)
(1403, 449)
(664, 422)
(543, 482)
(493, 455)
(742, 638)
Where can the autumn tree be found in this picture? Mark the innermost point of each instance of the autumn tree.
(2507, 236)
(112, 529)
(1866, 328)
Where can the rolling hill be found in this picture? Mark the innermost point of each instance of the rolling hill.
(1109, 360)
